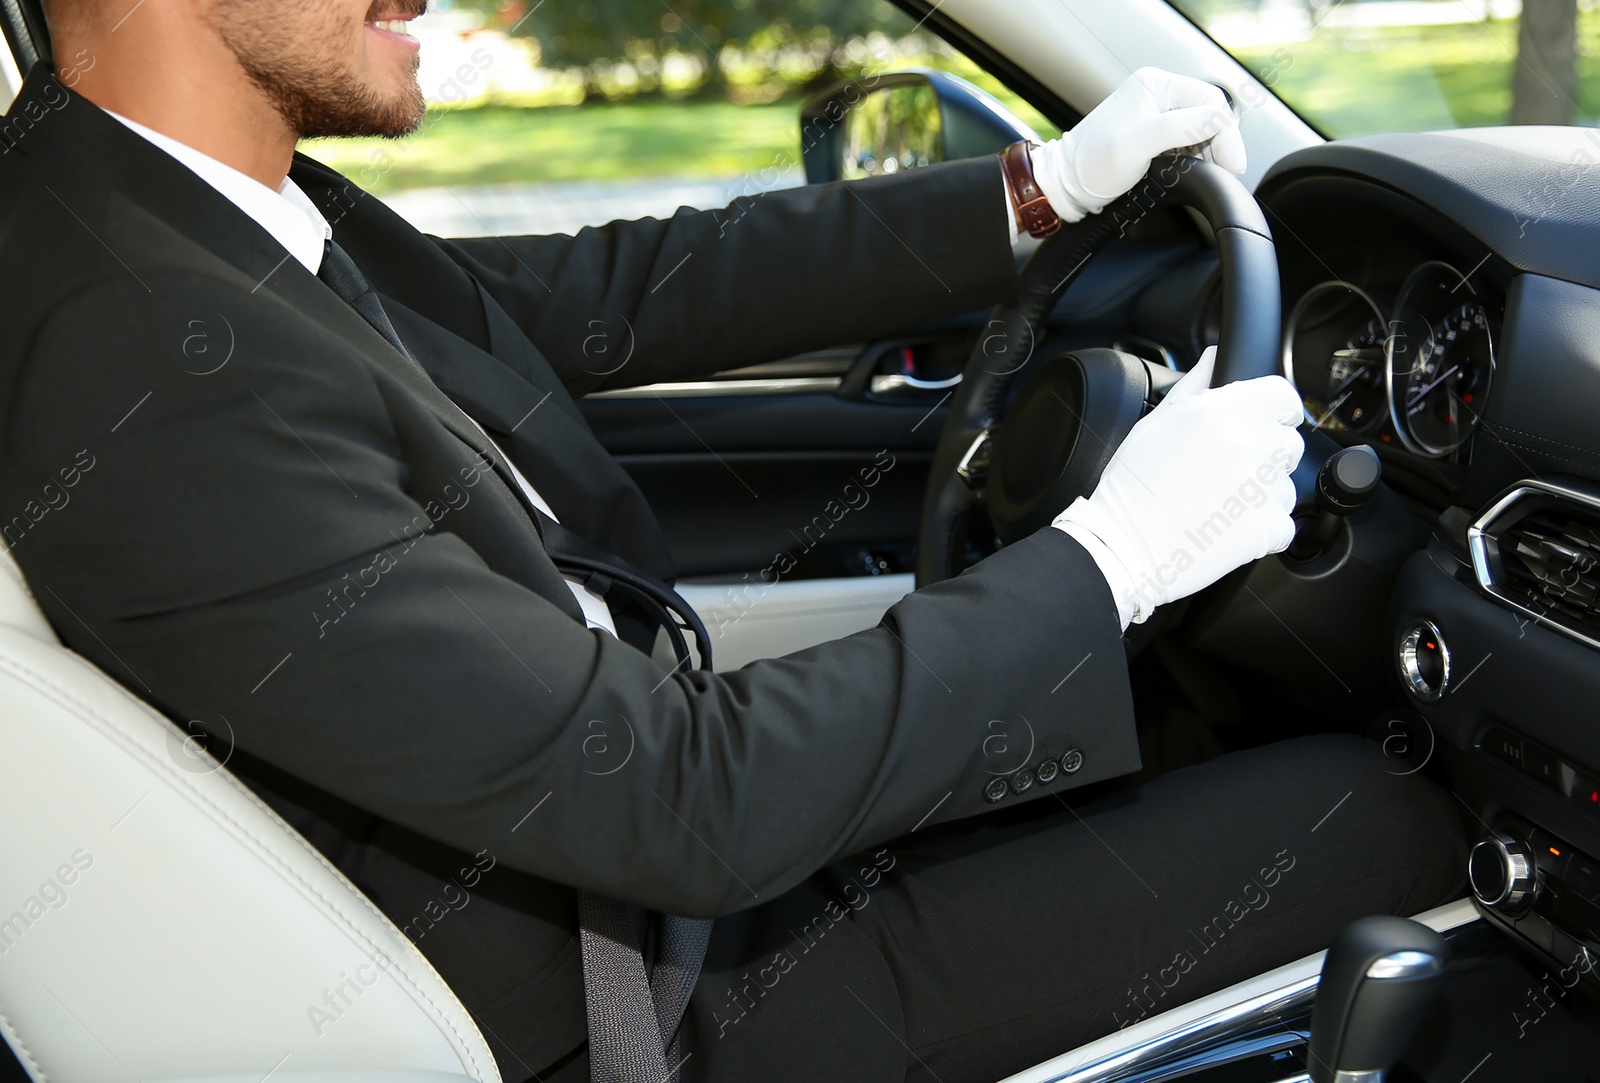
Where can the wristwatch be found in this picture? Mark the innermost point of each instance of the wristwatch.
(1037, 216)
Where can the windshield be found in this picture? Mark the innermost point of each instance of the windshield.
(1355, 67)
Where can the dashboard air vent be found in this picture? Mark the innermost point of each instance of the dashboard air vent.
(1537, 549)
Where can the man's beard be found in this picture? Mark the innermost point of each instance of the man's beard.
(273, 42)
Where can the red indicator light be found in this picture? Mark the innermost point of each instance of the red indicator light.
(1431, 646)
(1594, 797)
(1467, 398)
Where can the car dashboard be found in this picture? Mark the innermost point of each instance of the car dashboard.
(1442, 303)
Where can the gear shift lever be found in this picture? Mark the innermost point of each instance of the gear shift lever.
(1379, 979)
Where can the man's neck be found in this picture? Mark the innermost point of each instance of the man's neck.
(239, 126)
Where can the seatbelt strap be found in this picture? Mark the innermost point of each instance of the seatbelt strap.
(604, 572)
(635, 1013)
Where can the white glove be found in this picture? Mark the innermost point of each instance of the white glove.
(1200, 487)
(1111, 149)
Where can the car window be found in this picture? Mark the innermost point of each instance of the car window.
(544, 118)
(1355, 67)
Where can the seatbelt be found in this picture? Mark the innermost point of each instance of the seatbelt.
(623, 998)
(605, 573)
(634, 1012)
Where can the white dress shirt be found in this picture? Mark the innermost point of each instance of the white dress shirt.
(295, 222)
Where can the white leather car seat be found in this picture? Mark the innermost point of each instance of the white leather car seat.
(157, 921)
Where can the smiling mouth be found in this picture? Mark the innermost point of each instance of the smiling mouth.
(395, 18)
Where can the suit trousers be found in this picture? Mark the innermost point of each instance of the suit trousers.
(971, 951)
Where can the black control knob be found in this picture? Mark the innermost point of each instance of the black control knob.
(1381, 976)
(1502, 872)
(1349, 479)
(1346, 483)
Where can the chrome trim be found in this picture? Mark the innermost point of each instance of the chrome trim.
(1209, 1030)
(1402, 427)
(889, 383)
(1154, 1059)
(1404, 964)
(1521, 879)
(1375, 1075)
(1485, 549)
(795, 385)
(964, 468)
(1291, 326)
(1411, 669)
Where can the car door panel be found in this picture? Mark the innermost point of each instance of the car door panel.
(757, 461)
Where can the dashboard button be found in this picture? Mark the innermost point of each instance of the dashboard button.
(1424, 661)
(1503, 746)
(1501, 871)
(1550, 854)
(1583, 877)
(996, 789)
(1586, 791)
(1541, 765)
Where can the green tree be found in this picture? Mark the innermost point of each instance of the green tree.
(594, 33)
(1544, 85)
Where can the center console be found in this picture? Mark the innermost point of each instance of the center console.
(1544, 891)
(1495, 639)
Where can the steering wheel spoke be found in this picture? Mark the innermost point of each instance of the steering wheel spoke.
(973, 469)
(1073, 410)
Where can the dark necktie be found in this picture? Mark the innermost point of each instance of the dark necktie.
(341, 275)
(634, 1011)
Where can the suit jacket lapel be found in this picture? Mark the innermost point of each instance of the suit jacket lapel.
(151, 212)
(119, 185)
(504, 384)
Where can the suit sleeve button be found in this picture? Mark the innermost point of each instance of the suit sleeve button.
(995, 790)
(1072, 762)
(1021, 781)
(1046, 772)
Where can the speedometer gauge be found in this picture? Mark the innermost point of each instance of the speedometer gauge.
(1440, 360)
(1333, 354)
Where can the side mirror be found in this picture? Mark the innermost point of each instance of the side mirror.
(888, 123)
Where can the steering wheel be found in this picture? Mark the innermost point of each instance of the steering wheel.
(1073, 410)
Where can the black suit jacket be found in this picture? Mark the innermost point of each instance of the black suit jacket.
(232, 495)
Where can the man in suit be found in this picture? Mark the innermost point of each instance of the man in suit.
(298, 474)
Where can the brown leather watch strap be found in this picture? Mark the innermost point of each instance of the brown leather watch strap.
(1038, 217)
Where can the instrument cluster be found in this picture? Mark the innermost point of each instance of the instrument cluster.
(1412, 368)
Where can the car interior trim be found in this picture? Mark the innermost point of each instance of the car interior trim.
(1155, 1048)
(794, 385)
(1483, 547)
(751, 619)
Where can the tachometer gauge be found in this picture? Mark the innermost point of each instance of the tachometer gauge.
(1333, 354)
(1440, 360)
(1441, 393)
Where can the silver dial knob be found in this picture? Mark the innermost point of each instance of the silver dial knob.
(1502, 872)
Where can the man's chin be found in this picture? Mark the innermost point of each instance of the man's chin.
(391, 117)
